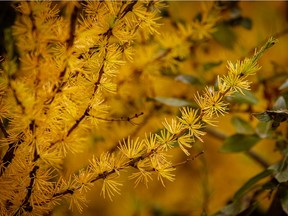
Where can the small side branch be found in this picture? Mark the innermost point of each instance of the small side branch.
(9, 155)
(128, 119)
(73, 21)
(131, 163)
(78, 121)
(71, 191)
(5, 133)
(86, 112)
(26, 206)
(188, 160)
(128, 8)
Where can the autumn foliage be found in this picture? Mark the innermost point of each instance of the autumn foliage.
(82, 104)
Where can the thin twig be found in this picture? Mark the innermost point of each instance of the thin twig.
(26, 205)
(128, 119)
(5, 133)
(9, 155)
(188, 159)
(145, 120)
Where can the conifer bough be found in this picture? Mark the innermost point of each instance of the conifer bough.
(51, 93)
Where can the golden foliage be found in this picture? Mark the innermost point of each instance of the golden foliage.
(58, 93)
